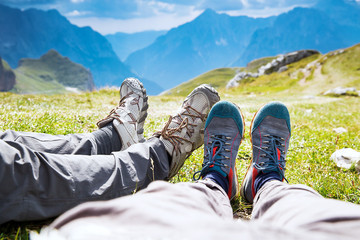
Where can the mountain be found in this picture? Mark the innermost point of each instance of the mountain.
(215, 40)
(125, 43)
(344, 12)
(328, 26)
(31, 33)
(52, 67)
(301, 28)
(7, 76)
(209, 41)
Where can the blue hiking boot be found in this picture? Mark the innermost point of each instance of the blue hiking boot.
(270, 136)
(224, 130)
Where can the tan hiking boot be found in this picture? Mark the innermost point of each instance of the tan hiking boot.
(183, 133)
(129, 117)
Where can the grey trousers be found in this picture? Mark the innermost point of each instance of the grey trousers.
(202, 211)
(42, 176)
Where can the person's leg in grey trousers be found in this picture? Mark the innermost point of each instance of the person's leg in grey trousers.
(301, 207)
(161, 211)
(102, 141)
(202, 210)
(37, 185)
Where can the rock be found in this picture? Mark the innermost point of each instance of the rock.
(351, 91)
(283, 69)
(346, 157)
(308, 97)
(7, 77)
(340, 130)
(234, 82)
(283, 60)
(337, 52)
(276, 65)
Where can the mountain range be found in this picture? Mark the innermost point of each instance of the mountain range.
(31, 33)
(166, 59)
(215, 40)
(126, 43)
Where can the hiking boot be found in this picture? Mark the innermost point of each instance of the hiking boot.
(270, 136)
(224, 130)
(129, 117)
(182, 134)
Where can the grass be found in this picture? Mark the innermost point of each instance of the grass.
(28, 81)
(347, 68)
(218, 78)
(312, 144)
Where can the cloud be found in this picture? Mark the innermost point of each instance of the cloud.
(258, 13)
(163, 21)
(76, 13)
(222, 5)
(139, 15)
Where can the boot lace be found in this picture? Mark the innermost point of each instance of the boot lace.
(274, 153)
(114, 115)
(215, 155)
(171, 134)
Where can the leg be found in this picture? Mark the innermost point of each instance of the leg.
(86, 144)
(295, 209)
(160, 211)
(120, 129)
(299, 206)
(39, 185)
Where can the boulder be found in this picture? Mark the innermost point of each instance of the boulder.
(283, 69)
(346, 157)
(350, 91)
(340, 130)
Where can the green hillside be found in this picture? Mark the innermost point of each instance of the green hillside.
(52, 73)
(6, 65)
(312, 75)
(218, 78)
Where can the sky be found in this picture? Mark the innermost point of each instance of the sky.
(129, 16)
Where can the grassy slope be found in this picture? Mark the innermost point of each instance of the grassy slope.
(29, 80)
(218, 78)
(49, 75)
(312, 143)
(344, 69)
(334, 70)
(6, 65)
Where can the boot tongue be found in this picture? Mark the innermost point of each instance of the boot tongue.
(214, 150)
